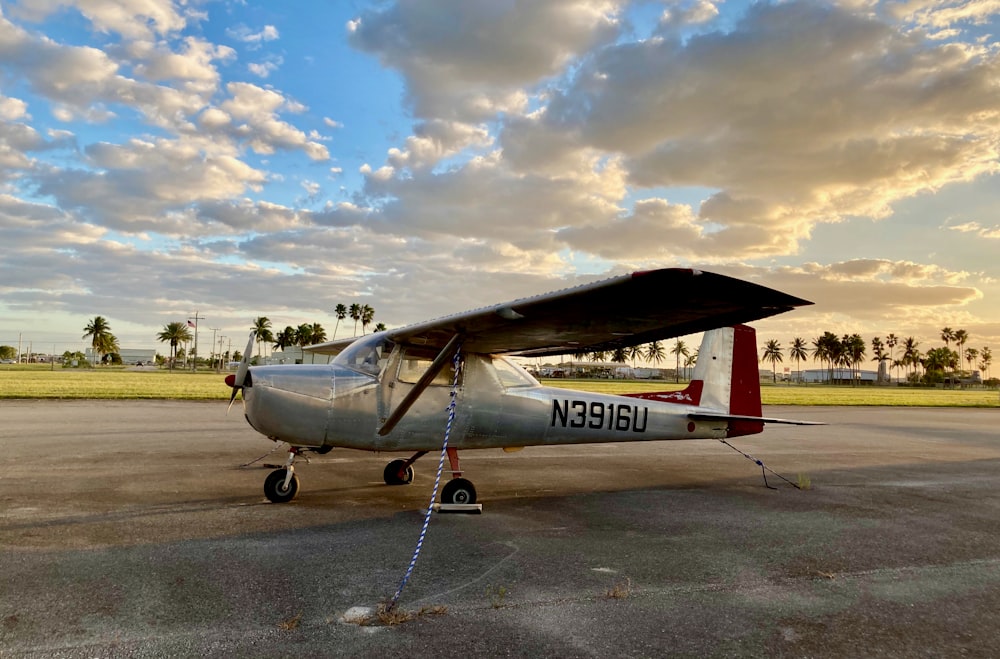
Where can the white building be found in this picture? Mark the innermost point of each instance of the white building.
(129, 355)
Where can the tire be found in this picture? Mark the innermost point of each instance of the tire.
(274, 488)
(458, 490)
(392, 474)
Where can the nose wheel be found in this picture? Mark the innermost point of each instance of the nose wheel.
(281, 485)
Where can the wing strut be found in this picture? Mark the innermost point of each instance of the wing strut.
(432, 372)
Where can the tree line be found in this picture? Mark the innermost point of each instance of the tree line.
(308, 334)
(849, 351)
(104, 343)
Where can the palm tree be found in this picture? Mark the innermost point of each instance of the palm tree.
(854, 354)
(689, 362)
(109, 346)
(654, 352)
(961, 337)
(678, 350)
(947, 335)
(367, 316)
(828, 349)
(355, 313)
(911, 355)
(634, 352)
(99, 331)
(890, 342)
(318, 334)
(878, 350)
(798, 353)
(303, 337)
(379, 327)
(285, 338)
(262, 328)
(175, 334)
(985, 359)
(970, 356)
(772, 353)
(340, 311)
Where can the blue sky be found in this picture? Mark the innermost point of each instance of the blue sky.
(247, 158)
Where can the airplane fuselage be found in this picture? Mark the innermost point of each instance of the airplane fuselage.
(498, 405)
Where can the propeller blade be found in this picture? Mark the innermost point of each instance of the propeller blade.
(241, 372)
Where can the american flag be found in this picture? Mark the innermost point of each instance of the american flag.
(190, 324)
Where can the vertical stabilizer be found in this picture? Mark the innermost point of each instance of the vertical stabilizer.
(725, 381)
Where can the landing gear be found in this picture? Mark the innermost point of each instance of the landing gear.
(281, 486)
(458, 490)
(398, 472)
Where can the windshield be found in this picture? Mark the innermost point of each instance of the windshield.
(368, 354)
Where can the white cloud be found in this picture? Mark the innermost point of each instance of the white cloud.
(976, 228)
(13, 108)
(436, 140)
(469, 62)
(258, 108)
(246, 35)
(132, 19)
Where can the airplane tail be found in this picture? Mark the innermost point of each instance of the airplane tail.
(725, 382)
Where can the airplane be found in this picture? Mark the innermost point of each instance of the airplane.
(400, 390)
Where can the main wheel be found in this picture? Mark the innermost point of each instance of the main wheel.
(394, 473)
(274, 486)
(458, 490)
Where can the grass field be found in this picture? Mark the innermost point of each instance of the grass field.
(40, 381)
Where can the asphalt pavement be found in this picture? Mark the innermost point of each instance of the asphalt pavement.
(133, 529)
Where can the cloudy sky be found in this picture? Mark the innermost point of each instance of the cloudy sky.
(251, 158)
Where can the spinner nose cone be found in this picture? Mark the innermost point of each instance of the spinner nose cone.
(231, 380)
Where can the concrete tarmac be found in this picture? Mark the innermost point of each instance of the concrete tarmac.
(131, 529)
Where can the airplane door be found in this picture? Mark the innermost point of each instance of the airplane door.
(423, 426)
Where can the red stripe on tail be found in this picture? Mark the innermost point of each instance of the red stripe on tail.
(688, 396)
(744, 397)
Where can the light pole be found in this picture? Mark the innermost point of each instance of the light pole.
(194, 355)
(222, 356)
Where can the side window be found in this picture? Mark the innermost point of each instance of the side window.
(512, 375)
(415, 363)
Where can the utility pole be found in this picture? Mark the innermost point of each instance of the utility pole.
(214, 330)
(194, 356)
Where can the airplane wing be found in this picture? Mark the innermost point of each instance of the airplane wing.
(330, 347)
(613, 313)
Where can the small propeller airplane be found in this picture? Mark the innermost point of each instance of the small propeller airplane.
(391, 391)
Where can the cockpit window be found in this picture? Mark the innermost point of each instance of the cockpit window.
(415, 363)
(368, 354)
(512, 375)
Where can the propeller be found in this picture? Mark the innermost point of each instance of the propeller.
(236, 381)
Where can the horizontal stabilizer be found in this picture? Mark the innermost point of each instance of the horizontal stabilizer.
(707, 416)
